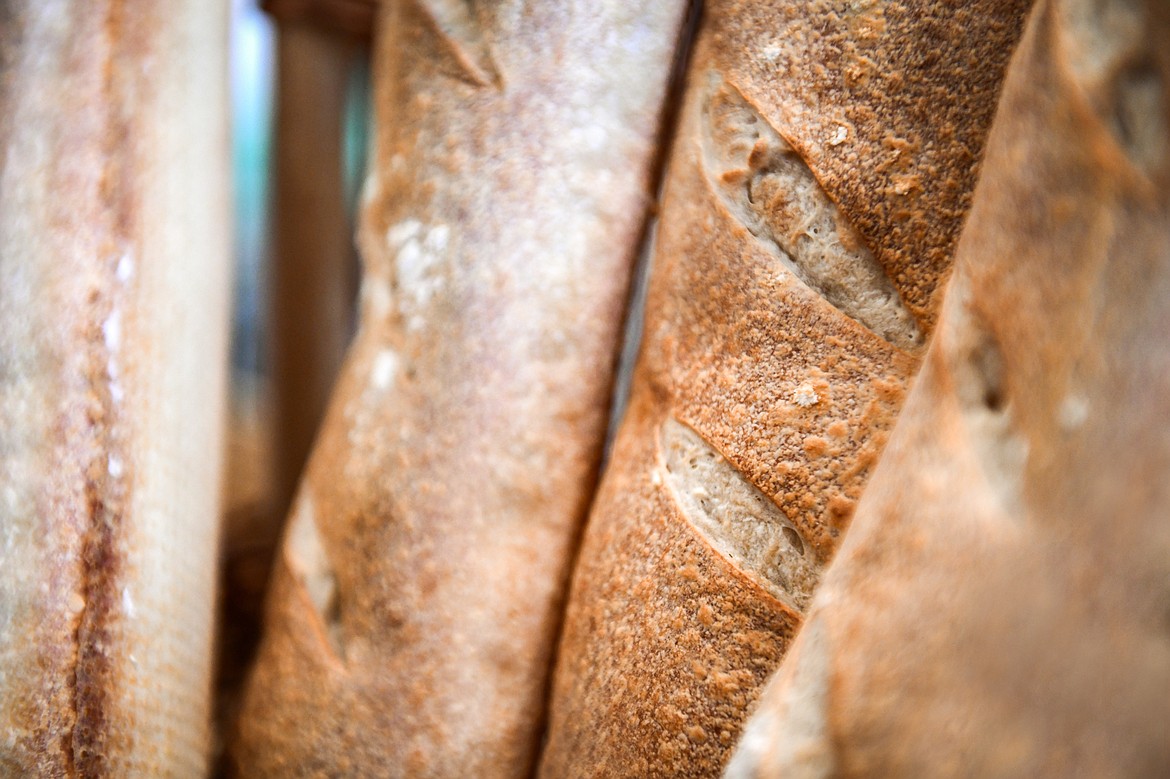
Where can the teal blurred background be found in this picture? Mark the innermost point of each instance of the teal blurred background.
(253, 49)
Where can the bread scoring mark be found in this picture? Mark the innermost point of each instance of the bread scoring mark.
(1139, 115)
(458, 26)
(738, 520)
(1111, 55)
(309, 562)
(982, 388)
(766, 185)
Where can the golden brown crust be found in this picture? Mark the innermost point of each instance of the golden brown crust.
(999, 607)
(776, 336)
(111, 347)
(421, 582)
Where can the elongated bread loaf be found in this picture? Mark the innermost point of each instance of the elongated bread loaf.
(312, 278)
(415, 604)
(999, 608)
(312, 281)
(113, 349)
(821, 173)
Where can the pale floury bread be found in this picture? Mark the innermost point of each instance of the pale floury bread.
(1000, 606)
(823, 166)
(114, 280)
(416, 600)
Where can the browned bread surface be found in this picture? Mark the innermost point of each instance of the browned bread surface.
(416, 600)
(1000, 607)
(808, 216)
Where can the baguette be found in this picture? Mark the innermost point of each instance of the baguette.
(415, 602)
(311, 280)
(822, 170)
(1000, 607)
(114, 256)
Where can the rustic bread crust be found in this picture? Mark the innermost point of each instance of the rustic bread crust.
(113, 318)
(416, 600)
(808, 215)
(999, 608)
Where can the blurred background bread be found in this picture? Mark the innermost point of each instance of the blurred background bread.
(114, 257)
(999, 608)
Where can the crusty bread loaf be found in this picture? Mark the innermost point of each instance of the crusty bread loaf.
(113, 347)
(416, 600)
(999, 608)
(311, 277)
(820, 175)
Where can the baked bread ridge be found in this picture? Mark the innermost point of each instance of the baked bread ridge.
(416, 600)
(1030, 452)
(776, 355)
(113, 347)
